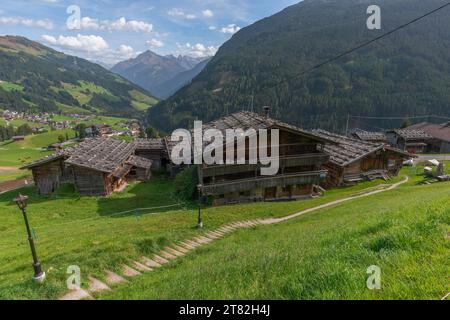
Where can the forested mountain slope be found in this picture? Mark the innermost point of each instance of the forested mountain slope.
(36, 78)
(407, 73)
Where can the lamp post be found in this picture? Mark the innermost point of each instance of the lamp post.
(39, 275)
(200, 220)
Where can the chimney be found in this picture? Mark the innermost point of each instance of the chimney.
(266, 111)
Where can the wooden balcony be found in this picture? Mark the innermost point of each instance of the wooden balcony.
(303, 178)
(285, 162)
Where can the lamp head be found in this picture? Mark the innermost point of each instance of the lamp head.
(21, 201)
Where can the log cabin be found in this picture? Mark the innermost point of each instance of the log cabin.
(154, 150)
(353, 160)
(301, 161)
(96, 167)
(440, 133)
(412, 141)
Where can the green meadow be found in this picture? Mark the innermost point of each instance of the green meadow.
(322, 255)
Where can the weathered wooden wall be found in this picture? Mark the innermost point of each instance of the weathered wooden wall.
(48, 177)
(91, 183)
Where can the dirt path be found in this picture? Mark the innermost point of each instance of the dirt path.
(15, 184)
(8, 169)
(175, 251)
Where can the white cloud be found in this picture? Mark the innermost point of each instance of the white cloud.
(231, 28)
(207, 13)
(116, 25)
(80, 43)
(212, 28)
(175, 12)
(154, 43)
(91, 47)
(15, 21)
(125, 52)
(198, 50)
(51, 1)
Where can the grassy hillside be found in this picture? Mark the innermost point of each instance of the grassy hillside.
(37, 78)
(323, 255)
(15, 154)
(406, 73)
(74, 230)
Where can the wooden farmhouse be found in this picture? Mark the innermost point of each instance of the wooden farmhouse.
(412, 141)
(154, 150)
(96, 167)
(353, 160)
(301, 164)
(440, 133)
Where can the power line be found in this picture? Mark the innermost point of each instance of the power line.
(365, 44)
(398, 118)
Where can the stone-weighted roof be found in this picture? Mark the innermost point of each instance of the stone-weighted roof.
(348, 150)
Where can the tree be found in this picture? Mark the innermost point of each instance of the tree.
(406, 123)
(61, 138)
(81, 130)
(152, 133)
(24, 130)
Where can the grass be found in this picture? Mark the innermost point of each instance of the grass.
(75, 230)
(142, 102)
(18, 153)
(323, 255)
(9, 86)
(13, 175)
(83, 92)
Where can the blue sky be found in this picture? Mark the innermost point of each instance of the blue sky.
(114, 30)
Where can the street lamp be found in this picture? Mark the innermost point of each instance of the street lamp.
(200, 220)
(39, 275)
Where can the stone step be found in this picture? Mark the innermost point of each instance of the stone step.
(77, 294)
(127, 271)
(187, 246)
(211, 236)
(238, 225)
(96, 285)
(160, 260)
(224, 230)
(150, 263)
(174, 252)
(141, 267)
(220, 233)
(167, 255)
(202, 240)
(113, 278)
(181, 249)
(214, 234)
(192, 243)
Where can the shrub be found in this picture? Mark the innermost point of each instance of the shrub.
(186, 183)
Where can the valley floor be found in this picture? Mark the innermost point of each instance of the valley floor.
(321, 255)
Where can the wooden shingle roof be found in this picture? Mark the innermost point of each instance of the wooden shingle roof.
(248, 120)
(371, 136)
(347, 150)
(149, 144)
(139, 162)
(411, 134)
(437, 131)
(103, 155)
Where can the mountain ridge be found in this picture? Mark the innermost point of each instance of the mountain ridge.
(154, 72)
(34, 77)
